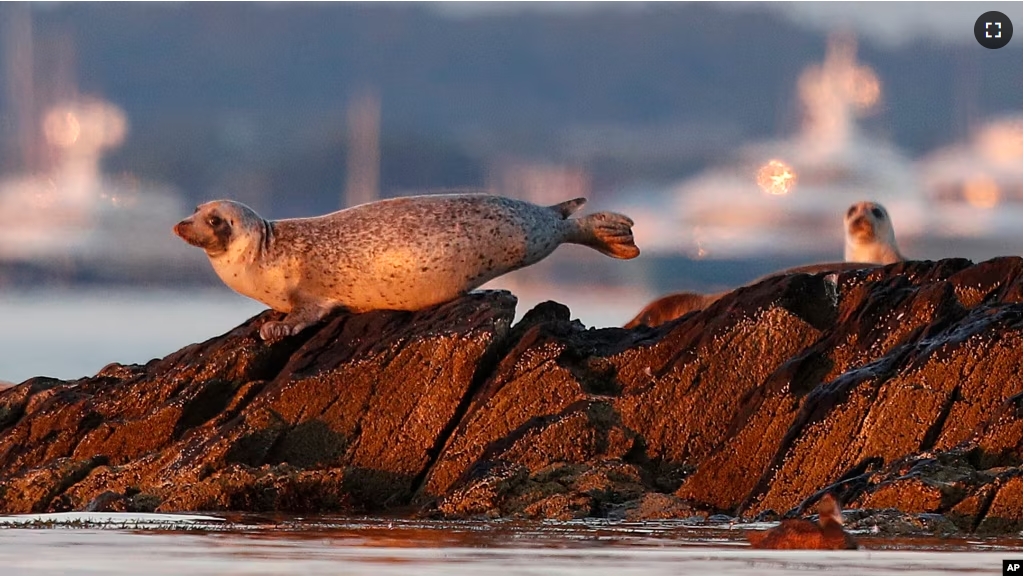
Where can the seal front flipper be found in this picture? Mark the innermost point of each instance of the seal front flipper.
(301, 317)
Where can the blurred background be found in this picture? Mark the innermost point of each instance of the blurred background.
(734, 134)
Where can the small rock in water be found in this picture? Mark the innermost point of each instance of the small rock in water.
(108, 501)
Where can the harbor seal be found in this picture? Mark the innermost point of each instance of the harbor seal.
(870, 239)
(799, 534)
(668, 308)
(404, 253)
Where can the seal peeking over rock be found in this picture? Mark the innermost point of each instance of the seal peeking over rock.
(400, 254)
(827, 534)
(870, 239)
(870, 236)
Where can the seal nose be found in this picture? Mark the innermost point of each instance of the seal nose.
(179, 228)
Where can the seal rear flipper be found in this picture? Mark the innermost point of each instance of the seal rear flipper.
(569, 207)
(608, 233)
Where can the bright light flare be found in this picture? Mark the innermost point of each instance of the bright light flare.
(776, 178)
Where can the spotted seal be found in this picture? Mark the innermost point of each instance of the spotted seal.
(870, 240)
(404, 253)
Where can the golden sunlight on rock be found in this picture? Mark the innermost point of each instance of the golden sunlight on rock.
(776, 178)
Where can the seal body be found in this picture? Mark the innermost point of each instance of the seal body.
(870, 236)
(673, 306)
(668, 308)
(400, 254)
(827, 534)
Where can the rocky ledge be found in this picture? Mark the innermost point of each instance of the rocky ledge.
(898, 388)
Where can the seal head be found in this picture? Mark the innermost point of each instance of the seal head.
(238, 243)
(221, 227)
(870, 237)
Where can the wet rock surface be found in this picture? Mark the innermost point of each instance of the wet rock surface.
(896, 388)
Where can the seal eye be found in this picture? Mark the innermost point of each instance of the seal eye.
(214, 221)
(878, 213)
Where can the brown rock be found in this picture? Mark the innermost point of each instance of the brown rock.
(1004, 512)
(894, 387)
(560, 507)
(358, 409)
(658, 506)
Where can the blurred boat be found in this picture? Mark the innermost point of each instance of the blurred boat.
(73, 220)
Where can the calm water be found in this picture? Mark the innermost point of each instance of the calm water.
(74, 333)
(70, 334)
(147, 544)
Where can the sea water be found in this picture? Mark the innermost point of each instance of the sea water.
(159, 544)
(71, 333)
